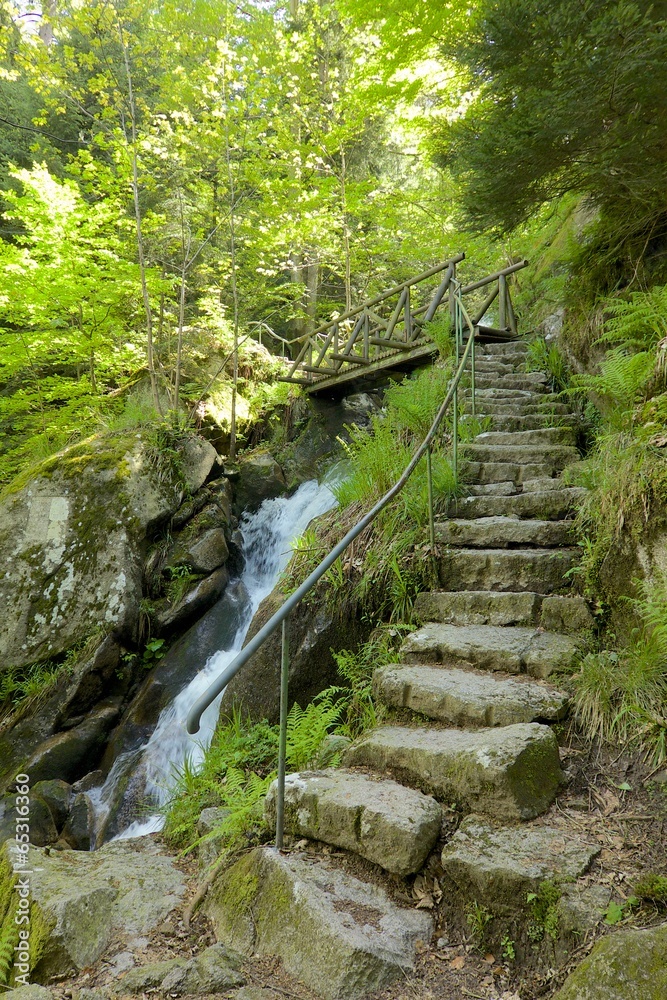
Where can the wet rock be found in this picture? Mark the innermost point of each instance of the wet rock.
(69, 755)
(624, 965)
(342, 937)
(58, 796)
(82, 901)
(79, 830)
(196, 601)
(393, 826)
(260, 478)
(91, 780)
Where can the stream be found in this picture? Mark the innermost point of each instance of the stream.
(141, 780)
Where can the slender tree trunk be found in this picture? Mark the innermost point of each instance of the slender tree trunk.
(346, 231)
(181, 308)
(231, 186)
(138, 220)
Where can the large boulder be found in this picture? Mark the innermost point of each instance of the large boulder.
(260, 478)
(341, 936)
(72, 536)
(625, 965)
(80, 902)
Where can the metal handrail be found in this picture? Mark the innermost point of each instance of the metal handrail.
(459, 316)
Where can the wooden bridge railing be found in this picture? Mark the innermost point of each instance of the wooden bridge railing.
(393, 326)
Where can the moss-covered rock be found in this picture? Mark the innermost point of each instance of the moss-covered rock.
(625, 965)
(79, 901)
(341, 936)
(72, 535)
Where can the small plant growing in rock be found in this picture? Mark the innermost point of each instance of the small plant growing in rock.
(507, 948)
(477, 919)
(543, 906)
(653, 888)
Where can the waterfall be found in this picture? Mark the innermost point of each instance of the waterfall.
(148, 773)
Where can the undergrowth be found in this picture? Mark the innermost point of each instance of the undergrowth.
(240, 763)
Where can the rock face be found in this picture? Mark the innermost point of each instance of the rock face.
(508, 773)
(260, 478)
(384, 822)
(79, 901)
(313, 634)
(342, 937)
(624, 965)
(71, 541)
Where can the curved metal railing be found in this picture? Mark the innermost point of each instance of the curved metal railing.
(460, 318)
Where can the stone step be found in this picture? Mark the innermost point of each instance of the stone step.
(467, 697)
(509, 407)
(497, 367)
(502, 472)
(386, 823)
(498, 867)
(503, 532)
(497, 380)
(507, 347)
(546, 505)
(508, 773)
(512, 649)
(539, 570)
(543, 436)
(554, 613)
(493, 489)
(529, 422)
(341, 936)
(494, 393)
(556, 455)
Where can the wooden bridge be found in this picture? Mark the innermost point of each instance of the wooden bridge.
(394, 331)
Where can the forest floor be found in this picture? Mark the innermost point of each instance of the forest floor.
(613, 799)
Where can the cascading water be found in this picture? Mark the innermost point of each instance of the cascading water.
(148, 772)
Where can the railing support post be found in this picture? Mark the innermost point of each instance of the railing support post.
(282, 739)
(502, 302)
(429, 477)
(471, 333)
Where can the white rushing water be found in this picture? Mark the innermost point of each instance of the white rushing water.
(267, 536)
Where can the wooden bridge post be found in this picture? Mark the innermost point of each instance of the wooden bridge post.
(502, 302)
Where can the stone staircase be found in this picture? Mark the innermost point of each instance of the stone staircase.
(470, 710)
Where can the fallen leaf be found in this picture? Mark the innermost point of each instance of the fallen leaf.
(489, 959)
(457, 963)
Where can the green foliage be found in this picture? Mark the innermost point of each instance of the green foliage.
(543, 906)
(507, 948)
(547, 358)
(652, 887)
(477, 919)
(180, 581)
(621, 696)
(22, 688)
(359, 711)
(618, 912)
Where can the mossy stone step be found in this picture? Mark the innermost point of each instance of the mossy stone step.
(467, 697)
(557, 456)
(491, 380)
(503, 532)
(501, 472)
(497, 868)
(486, 405)
(513, 649)
(539, 570)
(531, 421)
(341, 936)
(546, 504)
(386, 823)
(546, 436)
(508, 773)
(555, 613)
(478, 607)
(506, 348)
